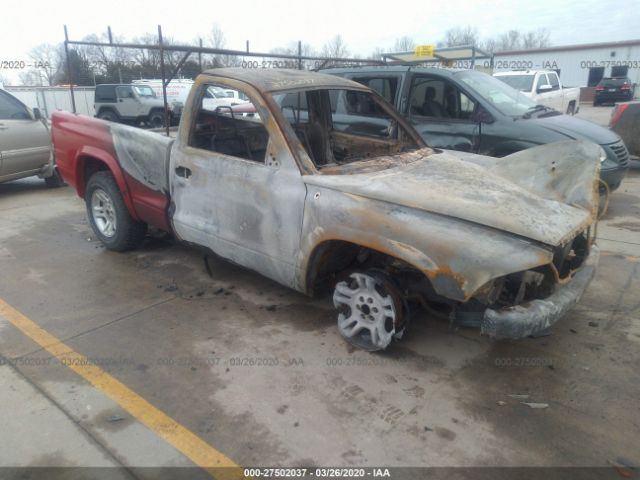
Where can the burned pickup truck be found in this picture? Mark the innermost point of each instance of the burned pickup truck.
(326, 188)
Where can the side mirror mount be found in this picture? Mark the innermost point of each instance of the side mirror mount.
(483, 116)
(545, 88)
(37, 115)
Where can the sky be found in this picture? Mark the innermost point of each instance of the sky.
(269, 24)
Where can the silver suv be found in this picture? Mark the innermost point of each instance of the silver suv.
(125, 103)
(25, 143)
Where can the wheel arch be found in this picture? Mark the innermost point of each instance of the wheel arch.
(108, 108)
(91, 160)
(332, 256)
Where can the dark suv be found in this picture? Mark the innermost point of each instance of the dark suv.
(471, 111)
(612, 89)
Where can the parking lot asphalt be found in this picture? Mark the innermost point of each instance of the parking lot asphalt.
(600, 114)
(260, 375)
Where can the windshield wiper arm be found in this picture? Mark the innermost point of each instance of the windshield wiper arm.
(535, 109)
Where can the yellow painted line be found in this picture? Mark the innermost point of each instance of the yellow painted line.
(178, 436)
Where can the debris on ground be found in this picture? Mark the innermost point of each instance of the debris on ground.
(115, 418)
(535, 405)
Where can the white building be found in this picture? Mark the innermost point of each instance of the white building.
(578, 65)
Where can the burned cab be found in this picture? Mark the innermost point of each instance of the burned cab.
(320, 185)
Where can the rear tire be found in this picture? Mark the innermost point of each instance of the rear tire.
(109, 216)
(55, 180)
(109, 116)
(571, 109)
(156, 119)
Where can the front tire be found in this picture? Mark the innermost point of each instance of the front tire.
(109, 216)
(370, 310)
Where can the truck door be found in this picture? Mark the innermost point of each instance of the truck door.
(543, 95)
(24, 141)
(236, 188)
(128, 104)
(558, 96)
(442, 113)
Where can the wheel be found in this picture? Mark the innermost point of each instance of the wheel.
(370, 310)
(108, 115)
(55, 180)
(571, 109)
(156, 119)
(108, 215)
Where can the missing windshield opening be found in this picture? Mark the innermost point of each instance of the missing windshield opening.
(341, 126)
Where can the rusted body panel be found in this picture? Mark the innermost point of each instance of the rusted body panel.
(273, 81)
(457, 256)
(467, 224)
(520, 321)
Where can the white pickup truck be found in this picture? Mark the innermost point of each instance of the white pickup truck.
(545, 87)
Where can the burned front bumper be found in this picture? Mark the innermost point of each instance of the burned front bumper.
(537, 315)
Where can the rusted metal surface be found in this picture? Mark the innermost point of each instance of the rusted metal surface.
(273, 80)
(478, 230)
(521, 321)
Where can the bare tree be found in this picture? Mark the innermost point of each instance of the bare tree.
(47, 61)
(460, 36)
(147, 58)
(306, 49)
(510, 40)
(30, 78)
(4, 81)
(335, 48)
(217, 39)
(404, 44)
(536, 39)
(489, 45)
(377, 53)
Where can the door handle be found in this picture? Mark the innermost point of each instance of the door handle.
(183, 172)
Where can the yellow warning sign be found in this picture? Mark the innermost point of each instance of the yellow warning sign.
(424, 51)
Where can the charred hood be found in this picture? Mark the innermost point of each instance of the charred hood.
(547, 193)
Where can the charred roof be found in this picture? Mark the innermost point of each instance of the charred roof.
(274, 80)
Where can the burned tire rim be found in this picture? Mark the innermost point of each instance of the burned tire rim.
(368, 311)
(103, 213)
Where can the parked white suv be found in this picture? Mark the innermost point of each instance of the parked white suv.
(544, 87)
(126, 103)
(25, 143)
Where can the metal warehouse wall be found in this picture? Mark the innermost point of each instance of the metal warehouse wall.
(574, 65)
(50, 99)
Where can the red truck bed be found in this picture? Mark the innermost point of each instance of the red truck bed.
(84, 145)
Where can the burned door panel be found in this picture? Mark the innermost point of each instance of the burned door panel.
(238, 191)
